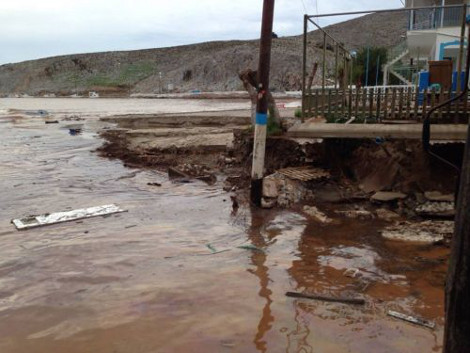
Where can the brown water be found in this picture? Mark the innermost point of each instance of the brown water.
(145, 280)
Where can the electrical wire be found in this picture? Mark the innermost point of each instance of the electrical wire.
(305, 8)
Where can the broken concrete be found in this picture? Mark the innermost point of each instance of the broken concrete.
(438, 196)
(385, 196)
(317, 215)
(356, 214)
(420, 232)
(386, 215)
(436, 209)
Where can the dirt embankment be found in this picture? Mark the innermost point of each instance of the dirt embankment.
(224, 144)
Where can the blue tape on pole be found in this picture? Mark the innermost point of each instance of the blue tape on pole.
(261, 119)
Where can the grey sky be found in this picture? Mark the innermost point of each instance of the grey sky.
(32, 29)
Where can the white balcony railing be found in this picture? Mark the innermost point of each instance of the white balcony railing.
(435, 18)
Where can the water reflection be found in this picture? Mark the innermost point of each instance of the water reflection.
(297, 340)
(258, 259)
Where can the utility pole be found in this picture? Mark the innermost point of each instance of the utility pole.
(457, 322)
(457, 325)
(259, 144)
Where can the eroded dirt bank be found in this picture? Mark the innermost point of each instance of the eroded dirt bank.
(184, 270)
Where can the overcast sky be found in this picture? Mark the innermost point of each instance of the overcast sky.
(31, 29)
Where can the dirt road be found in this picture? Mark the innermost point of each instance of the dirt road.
(148, 281)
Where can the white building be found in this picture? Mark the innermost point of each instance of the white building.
(435, 34)
(432, 35)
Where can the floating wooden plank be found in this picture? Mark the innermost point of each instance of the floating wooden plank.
(66, 216)
(413, 320)
(304, 173)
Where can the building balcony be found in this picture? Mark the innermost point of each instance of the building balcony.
(432, 19)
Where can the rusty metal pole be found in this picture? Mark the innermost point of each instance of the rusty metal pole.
(304, 66)
(259, 144)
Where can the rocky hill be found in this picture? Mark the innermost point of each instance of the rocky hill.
(211, 66)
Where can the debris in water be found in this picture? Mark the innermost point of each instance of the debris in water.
(154, 184)
(211, 248)
(354, 301)
(412, 319)
(250, 247)
(59, 217)
(75, 132)
(351, 272)
(318, 215)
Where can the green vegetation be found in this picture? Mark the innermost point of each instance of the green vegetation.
(298, 113)
(128, 75)
(273, 128)
(377, 56)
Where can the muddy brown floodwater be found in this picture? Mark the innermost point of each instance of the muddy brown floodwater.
(147, 281)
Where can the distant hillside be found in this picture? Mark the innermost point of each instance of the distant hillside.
(211, 66)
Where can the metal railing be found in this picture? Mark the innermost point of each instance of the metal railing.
(435, 18)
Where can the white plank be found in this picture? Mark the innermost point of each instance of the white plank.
(66, 216)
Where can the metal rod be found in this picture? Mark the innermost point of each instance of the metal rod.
(259, 144)
(383, 11)
(378, 71)
(336, 65)
(329, 36)
(367, 67)
(462, 43)
(304, 66)
(324, 61)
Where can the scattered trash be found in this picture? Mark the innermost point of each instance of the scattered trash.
(73, 118)
(75, 132)
(59, 217)
(131, 226)
(250, 247)
(192, 171)
(154, 184)
(39, 112)
(214, 253)
(51, 122)
(211, 248)
(351, 272)
(354, 301)
(412, 319)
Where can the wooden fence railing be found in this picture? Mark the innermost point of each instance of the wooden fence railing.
(379, 104)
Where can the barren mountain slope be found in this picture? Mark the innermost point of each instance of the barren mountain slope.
(211, 66)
